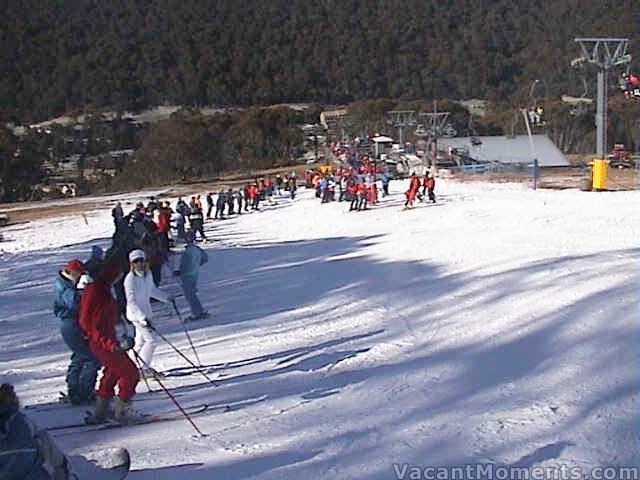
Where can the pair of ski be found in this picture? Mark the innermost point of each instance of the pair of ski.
(64, 402)
(144, 420)
(190, 370)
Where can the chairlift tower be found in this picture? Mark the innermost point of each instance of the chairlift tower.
(401, 119)
(436, 124)
(605, 54)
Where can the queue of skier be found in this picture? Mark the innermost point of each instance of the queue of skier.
(132, 270)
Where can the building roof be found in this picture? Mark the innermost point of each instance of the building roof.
(510, 149)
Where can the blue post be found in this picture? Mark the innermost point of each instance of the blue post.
(536, 173)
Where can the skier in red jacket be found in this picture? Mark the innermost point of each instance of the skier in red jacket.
(97, 316)
(430, 185)
(414, 186)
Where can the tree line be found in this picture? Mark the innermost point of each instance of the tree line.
(129, 55)
(371, 55)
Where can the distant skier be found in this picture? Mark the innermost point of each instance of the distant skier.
(83, 368)
(412, 191)
(182, 207)
(293, 185)
(139, 289)
(209, 205)
(98, 315)
(385, 184)
(230, 202)
(196, 221)
(192, 259)
(118, 214)
(238, 196)
(362, 195)
(430, 185)
(220, 204)
(153, 255)
(352, 194)
(25, 451)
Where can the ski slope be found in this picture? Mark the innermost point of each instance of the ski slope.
(497, 328)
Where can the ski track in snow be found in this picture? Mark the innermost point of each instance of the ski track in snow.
(498, 328)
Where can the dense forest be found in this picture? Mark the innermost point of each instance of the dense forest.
(89, 57)
(58, 56)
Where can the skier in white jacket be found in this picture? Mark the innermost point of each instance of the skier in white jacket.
(139, 288)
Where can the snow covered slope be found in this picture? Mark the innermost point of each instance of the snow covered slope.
(498, 327)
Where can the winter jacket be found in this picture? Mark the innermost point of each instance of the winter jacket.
(192, 259)
(65, 305)
(183, 208)
(163, 220)
(195, 216)
(139, 289)
(430, 183)
(23, 449)
(98, 315)
(117, 212)
(19, 456)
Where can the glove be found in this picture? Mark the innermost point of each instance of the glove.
(145, 322)
(125, 344)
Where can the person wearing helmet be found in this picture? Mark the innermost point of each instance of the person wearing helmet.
(139, 289)
(83, 367)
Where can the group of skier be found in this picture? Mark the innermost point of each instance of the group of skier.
(89, 312)
(361, 189)
(428, 187)
(250, 195)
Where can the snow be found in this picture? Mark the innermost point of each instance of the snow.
(497, 327)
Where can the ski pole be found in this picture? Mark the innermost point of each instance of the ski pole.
(126, 324)
(198, 369)
(166, 390)
(184, 327)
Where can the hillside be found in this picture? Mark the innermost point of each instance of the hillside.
(61, 56)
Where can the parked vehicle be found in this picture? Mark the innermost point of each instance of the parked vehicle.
(620, 157)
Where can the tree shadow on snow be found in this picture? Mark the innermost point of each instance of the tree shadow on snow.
(416, 308)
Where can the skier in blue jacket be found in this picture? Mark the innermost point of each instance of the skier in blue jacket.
(83, 368)
(192, 259)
